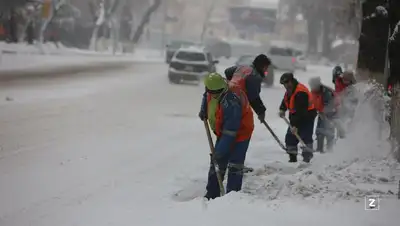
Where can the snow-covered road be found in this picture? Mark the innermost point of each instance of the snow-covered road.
(112, 150)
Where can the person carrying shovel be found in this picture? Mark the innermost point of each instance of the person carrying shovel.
(298, 101)
(326, 105)
(230, 117)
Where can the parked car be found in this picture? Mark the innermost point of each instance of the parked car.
(248, 60)
(191, 64)
(173, 46)
(288, 59)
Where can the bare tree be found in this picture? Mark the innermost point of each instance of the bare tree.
(55, 6)
(105, 18)
(135, 37)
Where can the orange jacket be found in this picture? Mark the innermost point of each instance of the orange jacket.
(247, 120)
(290, 102)
(325, 97)
(239, 77)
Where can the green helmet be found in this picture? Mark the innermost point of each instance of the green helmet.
(215, 82)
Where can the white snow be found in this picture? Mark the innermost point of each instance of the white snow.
(395, 32)
(17, 56)
(381, 10)
(116, 151)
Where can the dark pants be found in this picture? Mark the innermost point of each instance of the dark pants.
(325, 129)
(234, 162)
(305, 131)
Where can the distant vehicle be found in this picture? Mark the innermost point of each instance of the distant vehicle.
(241, 47)
(248, 60)
(190, 64)
(286, 58)
(218, 48)
(173, 46)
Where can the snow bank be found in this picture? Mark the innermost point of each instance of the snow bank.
(26, 60)
(60, 50)
(360, 165)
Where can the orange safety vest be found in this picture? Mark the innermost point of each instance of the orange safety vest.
(239, 77)
(290, 102)
(247, 122)
(319, 102)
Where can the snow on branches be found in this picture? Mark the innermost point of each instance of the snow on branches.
(379, 11)
(395, 32)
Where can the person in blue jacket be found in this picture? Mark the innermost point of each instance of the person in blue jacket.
(231, 119)
(249, 78)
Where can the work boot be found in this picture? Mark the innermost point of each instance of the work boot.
(307, 155)
(292, 158)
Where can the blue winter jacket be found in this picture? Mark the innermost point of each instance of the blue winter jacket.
(232, 116)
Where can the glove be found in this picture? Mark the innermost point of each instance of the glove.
(261, 117)
(202, 115)
(223, 146)
(281, 114)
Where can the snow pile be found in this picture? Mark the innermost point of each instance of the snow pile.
(60, 50)
(360, 165)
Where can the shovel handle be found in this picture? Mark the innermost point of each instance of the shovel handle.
(214, 162)
(274, 135)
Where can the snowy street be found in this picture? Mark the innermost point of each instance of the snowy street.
(112, 149)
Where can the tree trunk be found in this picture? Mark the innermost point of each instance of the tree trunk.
(145, 20)
(98, 24)
(394, 45)
(373, 42)
(394, 77)
(12, 26)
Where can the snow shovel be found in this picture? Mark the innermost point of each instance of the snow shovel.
(298, 137)
(274, 135)
(214, 162)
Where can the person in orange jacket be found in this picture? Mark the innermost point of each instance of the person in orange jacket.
(230, 117)
(298, 101)
(346, 92)
(326, 105)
